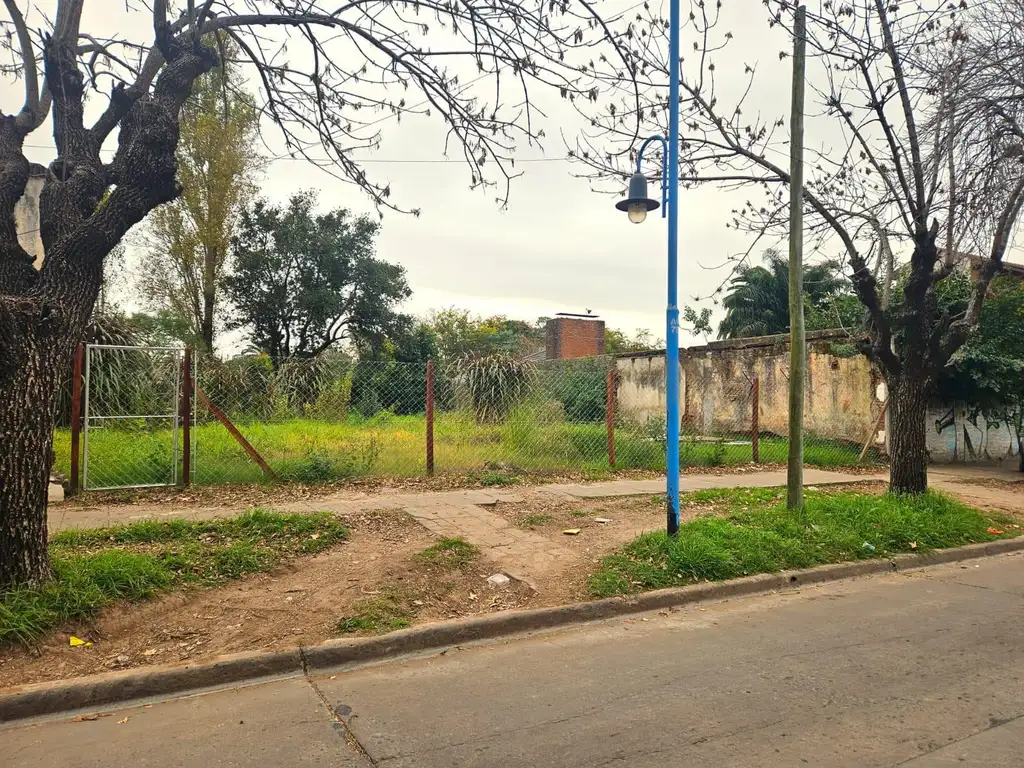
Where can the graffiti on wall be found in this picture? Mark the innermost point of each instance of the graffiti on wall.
(969, 434)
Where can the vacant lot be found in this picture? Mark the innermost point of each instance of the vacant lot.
(175, 590)
(306, 450)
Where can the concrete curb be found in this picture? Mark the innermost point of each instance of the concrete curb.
(118, 687)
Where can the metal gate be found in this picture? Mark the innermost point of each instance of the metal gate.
(131, 417)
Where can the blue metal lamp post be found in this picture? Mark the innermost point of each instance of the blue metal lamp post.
(637, 205)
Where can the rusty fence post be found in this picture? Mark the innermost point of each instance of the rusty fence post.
(202, 399)
(755, 413)
(430, 417)
(76, 417)
(609, 413)
(186, 410)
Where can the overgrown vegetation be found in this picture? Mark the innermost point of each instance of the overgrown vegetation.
(761, 536)
(494, 384)
(95, 567)
(309, 450)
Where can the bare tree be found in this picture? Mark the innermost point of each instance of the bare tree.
(892, 80)
(344, 66)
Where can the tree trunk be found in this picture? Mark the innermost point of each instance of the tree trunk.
(210, 258)
(206, 327)
(27, 412)
(908, 459)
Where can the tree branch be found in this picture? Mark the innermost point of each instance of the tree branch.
(29, 117)
(920, 208)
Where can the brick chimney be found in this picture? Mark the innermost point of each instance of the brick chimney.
(572, 336)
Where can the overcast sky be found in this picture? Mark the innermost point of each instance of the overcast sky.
(558, 246)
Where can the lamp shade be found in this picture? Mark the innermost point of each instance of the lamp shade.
(637, 196)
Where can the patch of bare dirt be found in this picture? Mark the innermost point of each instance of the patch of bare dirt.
(303, 602)
(298, 604)
(261, 495)
(1006, 497)
(1009, 486)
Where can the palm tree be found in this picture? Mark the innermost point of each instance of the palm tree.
(758, 300)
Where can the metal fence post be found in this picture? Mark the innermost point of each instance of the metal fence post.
(755, 413)
(430, 417)
(186, 410)
(76, 417)
(609, 413)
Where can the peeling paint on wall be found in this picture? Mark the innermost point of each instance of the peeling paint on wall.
(716, 382)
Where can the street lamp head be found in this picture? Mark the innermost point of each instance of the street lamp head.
(637, 204)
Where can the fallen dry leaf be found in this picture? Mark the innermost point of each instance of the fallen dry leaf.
(122, 722)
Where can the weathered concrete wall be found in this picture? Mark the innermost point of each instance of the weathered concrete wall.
(641, 387)
(842, 399)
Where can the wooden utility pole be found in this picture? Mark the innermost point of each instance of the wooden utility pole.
(430, 418)
(797, 342)
(755, 420)
(186, 424)
(76, 418)
(609, 416)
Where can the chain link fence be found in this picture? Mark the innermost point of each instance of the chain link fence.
(334, 418)
(131, 435)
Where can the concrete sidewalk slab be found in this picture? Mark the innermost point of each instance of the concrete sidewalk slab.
(281, 724)
(687, 483)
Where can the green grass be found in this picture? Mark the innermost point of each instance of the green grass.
(93, 568)
(449, 554)
(377, 615)
(531, 520)
(761, 536)
(308, 450)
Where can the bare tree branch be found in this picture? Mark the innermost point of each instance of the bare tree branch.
(28, 117)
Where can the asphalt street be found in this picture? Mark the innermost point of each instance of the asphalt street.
(918, 670)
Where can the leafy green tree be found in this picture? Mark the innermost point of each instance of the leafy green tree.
(392, 372)
(988, 371)
(841, 310)
(617, 342)
(757, 303)
(460, 333)
(162, 328)
(187, 242)
(304, 282)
